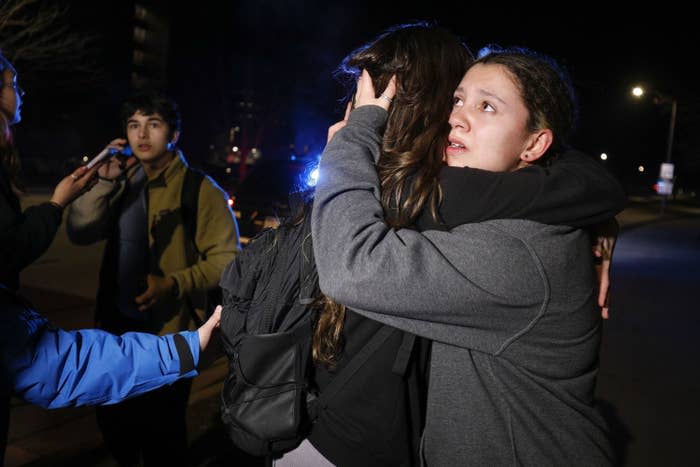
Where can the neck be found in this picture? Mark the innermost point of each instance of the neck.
(155, 167)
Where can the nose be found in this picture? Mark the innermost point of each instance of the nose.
(458, 118)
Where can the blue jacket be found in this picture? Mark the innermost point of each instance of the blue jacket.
(54, 368)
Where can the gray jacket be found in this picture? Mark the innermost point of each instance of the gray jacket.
(509, 304)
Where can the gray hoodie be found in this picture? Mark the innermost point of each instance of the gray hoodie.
(509, 304)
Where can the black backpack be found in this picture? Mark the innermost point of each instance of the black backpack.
(267, 402)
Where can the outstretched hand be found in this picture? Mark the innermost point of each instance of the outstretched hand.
(206, 329)
(74, 185)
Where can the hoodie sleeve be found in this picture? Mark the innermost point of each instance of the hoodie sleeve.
(456, 286)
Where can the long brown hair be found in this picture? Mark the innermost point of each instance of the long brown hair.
(9, 159)
(429, 63)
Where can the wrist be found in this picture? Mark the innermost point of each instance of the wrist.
(57, 202)
(57, 205)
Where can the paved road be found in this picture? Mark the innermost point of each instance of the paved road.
(649, 376)
(648, 380)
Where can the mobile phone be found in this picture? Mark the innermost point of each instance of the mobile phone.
(108, 152)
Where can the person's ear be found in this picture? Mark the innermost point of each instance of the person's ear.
(537, 145)
(173, 140)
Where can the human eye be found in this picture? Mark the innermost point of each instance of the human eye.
(154, 124)
(132, 125)
(486, 106)
(457, 101)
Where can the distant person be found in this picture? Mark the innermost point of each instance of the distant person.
(162, 259)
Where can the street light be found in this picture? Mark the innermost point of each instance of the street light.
(660, 99)
(665, 183)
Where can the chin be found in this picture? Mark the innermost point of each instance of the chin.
(456, 161)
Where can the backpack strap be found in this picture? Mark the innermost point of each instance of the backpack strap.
(355, 363)
(404, 353)
(189, 202)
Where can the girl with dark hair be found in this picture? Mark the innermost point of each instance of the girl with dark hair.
(24, 236)
(510, 305)
(370, 421)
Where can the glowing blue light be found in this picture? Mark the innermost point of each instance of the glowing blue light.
(293, 157)
(312, 179)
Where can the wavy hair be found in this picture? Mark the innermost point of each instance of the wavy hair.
(429, 63)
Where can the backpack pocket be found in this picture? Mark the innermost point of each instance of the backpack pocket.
(264, 396)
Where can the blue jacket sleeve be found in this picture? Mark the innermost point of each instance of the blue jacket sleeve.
(54, 368)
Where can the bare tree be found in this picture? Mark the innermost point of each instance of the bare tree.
(38, 34)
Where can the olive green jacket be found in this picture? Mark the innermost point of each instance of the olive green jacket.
(92, 218)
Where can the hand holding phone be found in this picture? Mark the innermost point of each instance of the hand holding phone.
(113, 160)
(108, 152)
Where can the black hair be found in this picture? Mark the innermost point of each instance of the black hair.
(546, 89)
(151, 103)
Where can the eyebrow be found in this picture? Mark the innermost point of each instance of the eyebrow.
(150, 119)
(483, 92)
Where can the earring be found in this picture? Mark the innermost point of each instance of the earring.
(170, 146)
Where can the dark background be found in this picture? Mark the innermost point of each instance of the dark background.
(266, 66)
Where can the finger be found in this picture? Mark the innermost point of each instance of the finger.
(78, 173)
(605, 313)
(390, 90)
(603, 292)
(90, 174)
(604, 283)
(348, 109)
(117, 142)
(365, 91)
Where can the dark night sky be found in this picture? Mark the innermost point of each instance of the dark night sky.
(281, 55)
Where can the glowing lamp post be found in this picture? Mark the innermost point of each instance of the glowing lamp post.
(665, 184)
(660, 99)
